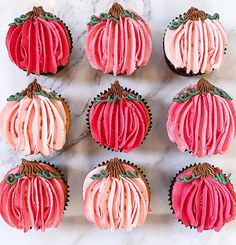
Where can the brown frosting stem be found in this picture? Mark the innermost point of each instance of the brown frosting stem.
(116, 90)
(32, 87)
(116, 10)
(204, 86)
(204, 170)
(115, 168)
(195, 14)
(36, 12)
(29, 168)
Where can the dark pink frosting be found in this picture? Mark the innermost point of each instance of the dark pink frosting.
(39, 46)
(120, 125)
(203, 203)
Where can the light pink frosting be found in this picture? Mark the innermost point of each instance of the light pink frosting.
(204, 125)
(120, 125)
(39, 45)
(118, 48)
(34, 125)
(115, 203)
(33, 201)
(197, 46)
(203, 203)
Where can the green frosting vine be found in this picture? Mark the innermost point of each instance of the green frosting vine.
(103, 174)
(218, 176)
(24, 17)
(115, 98)
(190, 92)
(11, 179)
(182, 20)
(104, 16)
(18, 96)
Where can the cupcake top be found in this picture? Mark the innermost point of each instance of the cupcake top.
(195, 42)
(203, 197)
(39, 42)
(33, 195)
(202, 120)
(35, 120)
(118, 42)
(119, 119)
(116, 195)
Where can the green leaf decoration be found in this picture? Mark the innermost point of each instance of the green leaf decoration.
(104, 174)
(104, 16)
(11, 179)
(130, 96)
(11, 98)
(100, 175)
(129, 174)
(175, 24)
(186, 178)
(53, 95)
(48, 175)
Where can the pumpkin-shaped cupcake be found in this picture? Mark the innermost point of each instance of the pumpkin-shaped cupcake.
(116, 195)
(33, 195)
(39, 42)
(202, 120)
(35, 120)
(195, 43)
(202, 197)
(118, 42)
(119, 119)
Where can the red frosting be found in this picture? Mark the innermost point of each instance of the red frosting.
(39, 45)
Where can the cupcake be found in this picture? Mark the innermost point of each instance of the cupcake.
(39, 42)
(202, 120)
(35, 120)
(202, 197)
(33, 195)
(116, 195)
(195, 43)
(118, 42)
(119, 119)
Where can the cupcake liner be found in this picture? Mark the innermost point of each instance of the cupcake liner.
(64, 180)
(138, 169)
(129, 91)
(67, 111)
(171, 188)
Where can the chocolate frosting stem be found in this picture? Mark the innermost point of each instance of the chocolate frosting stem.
(32, 87)
(204, 86)
(29, 168)
(195, 14)
(115, 168)
(116, 10)
(204, 170)
(116, 90)
(36, 12)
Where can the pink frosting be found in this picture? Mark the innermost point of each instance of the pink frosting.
(35, 125)
(39, 45)
(115, 203)
(197, 46)
(203, 203)
(33, 201)
(119, 48)
(204, 125)
(120, 125)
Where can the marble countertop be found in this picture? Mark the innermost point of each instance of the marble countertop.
(79, 83)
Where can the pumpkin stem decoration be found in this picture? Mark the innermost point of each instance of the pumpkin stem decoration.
(115, 168)
(195, 14)
(36, 12)
(31, 89)
(204, 170)
(116, 91)
(204, 86)
(116, 10)
(29, 168)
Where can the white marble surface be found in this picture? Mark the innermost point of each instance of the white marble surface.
(79, 83)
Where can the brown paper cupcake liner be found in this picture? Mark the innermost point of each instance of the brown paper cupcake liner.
(129, 91)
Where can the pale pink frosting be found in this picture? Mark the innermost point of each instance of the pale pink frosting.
(34, 202)
(34, 125)
(115, 203)
(120, 125)
(197, 46)
(39, 45)
(204, 125)
(203, 203)
(118, 48)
